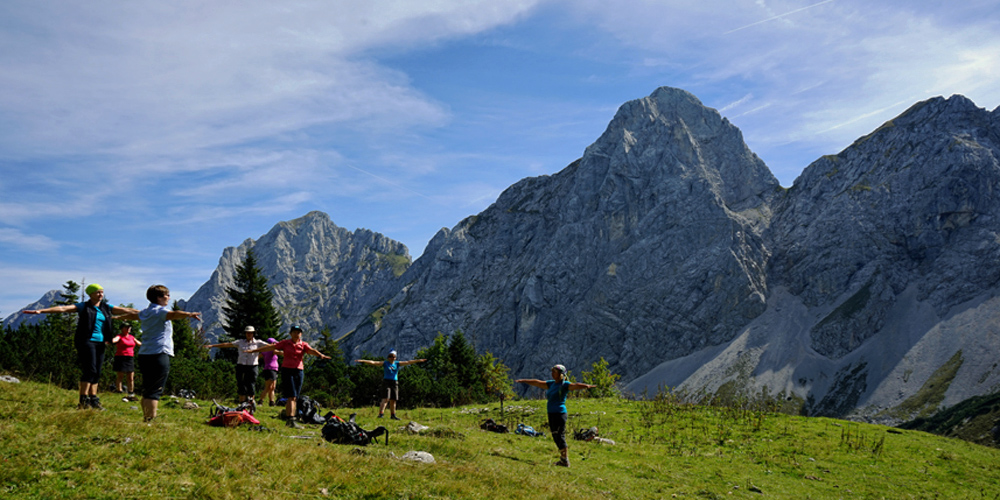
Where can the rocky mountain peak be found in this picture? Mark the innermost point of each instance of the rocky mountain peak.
(322, 275)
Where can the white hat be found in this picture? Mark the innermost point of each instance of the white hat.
(249, 329)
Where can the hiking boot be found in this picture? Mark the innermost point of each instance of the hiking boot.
(380, 415)
(291, 424)
(95, 403)
(84, 403)
(394, 417)
(562, 463)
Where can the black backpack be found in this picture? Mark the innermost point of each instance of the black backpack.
(307, 409)
(340, 431)
(490, 425)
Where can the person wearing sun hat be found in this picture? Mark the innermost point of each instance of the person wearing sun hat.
(93, 330)
(556, 390)
(292, 374)
(390, 380)
(246, 364)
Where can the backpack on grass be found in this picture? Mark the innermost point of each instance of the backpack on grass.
(340, 431)
(527, 430)
(221, 416)
(490, 425)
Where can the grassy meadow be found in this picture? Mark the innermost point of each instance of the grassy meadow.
(663, 449)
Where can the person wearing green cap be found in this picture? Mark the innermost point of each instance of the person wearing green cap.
(93, 330)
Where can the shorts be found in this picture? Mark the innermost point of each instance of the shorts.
(90, 356)
(269, 374)
(124, 364)
(391, 389)
(154, 369)
(291, 382)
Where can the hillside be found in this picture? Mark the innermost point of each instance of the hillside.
(664, 449)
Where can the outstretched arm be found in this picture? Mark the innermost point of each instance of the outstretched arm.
(314, 352)
(576, 386)
(224, 344)
(411, 362)
(368, 362)
(130, 315)
(116, 310)
(51, 310)
(533, 382)
(266, 348)
(172, 315)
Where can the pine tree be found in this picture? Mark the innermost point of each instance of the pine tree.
(187, 340)
(250, 303)
(327, 381)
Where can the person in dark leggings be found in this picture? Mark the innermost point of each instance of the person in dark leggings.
(157, 346)
(246, 364)
(93, 329)
(556, 390)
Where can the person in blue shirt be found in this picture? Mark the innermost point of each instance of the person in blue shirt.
(157, 346)
(390, 381)
(93, 330)
(556, 391)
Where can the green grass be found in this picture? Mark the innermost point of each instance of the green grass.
(664, 450)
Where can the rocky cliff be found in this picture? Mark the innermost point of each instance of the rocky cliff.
(647, 248)
(883, 276)
(322, 275)
(867, 289)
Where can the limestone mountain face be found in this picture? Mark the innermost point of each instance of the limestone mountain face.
(322, 275)
(868, 289)
(15, 320)
(648, 247)
(883, 275)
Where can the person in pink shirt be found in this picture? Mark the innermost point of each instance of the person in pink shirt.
(124, 364)
(292, 374)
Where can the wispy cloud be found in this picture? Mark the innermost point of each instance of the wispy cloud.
(26, 242)
(773, 18)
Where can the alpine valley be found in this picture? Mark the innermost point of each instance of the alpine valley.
(869, 289)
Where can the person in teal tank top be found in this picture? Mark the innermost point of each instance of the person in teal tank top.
(556, 391)
(390, 381)
(93, 330)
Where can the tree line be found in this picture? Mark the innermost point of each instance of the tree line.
(454, 374)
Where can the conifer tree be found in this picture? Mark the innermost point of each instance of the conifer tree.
(187, 340)
(250, 303)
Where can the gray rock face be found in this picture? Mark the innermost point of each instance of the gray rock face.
(882, 275)
(671, 251)
(17, 319)
(647, 246)
(321, 275)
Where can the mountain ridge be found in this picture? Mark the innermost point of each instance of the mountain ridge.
(669, 249)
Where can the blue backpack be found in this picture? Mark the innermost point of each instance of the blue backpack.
(526, 430)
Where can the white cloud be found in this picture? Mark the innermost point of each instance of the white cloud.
(26, 242)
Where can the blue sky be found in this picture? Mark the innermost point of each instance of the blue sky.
(139, 139)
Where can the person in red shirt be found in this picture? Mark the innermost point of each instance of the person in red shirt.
(124, 364)
(292, 374)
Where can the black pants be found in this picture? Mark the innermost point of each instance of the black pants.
(90, 355)
(557, 424)
(246, 380)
